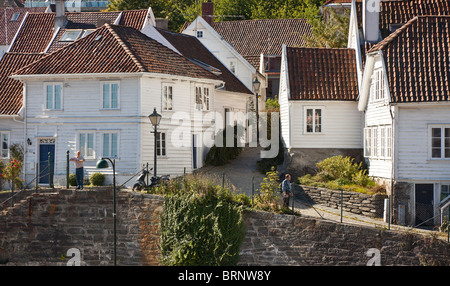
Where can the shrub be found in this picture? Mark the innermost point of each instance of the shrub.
(268, 198)
(218, 156)
(201, 224)
(72, 180)
(11, 172)
(97, 179)
(341, 173)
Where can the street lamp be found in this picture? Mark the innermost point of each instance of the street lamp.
(256, 86)
(103, 164)
(155, 118)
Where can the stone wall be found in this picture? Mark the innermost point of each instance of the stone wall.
(41, 229)
(276, 239)
(358, 203)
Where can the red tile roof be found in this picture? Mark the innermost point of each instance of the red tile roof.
(417, 58)
(37, 31)
(11, 89)
(8, 27)
(116, 49)
(253, 37)
(192, 48)
(322, 74)
(35, 34)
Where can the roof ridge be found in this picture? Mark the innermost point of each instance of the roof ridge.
(125, 47)
(389, 39)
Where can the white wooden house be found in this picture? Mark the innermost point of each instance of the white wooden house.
(405, 97)
(95, 94)
(318, 107)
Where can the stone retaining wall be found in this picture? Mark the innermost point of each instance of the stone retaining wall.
(41, 229)
(358, 203)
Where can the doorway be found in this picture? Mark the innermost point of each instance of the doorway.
(44, 171)
(424, 204)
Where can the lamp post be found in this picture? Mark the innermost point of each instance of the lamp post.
(103, 164)
(256, 86)
(155, 118)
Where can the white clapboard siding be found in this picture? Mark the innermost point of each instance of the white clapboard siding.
(342, 125)
(82, 112)
(414, 159)
(285, 114)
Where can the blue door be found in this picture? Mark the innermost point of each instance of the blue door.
(44, 171)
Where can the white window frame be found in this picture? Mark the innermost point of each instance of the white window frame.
(161, 148)
(110, 101)
(389, 142)
(378, 86)
(165, 95)
(206, 99)
(202, 97)
(442, 142)
(2, 133)
(199, 34)
(86, 144)
(375, 148)
(368, 142)
(61, 100)
(305, 119)
(108, 153)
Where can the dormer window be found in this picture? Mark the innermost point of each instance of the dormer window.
(15, 17)
(70, 35)
(73, 35)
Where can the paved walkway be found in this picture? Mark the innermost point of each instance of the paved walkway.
(240, 172)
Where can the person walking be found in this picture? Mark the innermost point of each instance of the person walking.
(286, 190)
(79, 170)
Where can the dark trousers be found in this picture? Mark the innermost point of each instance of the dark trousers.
(79, 174)
(286, 202)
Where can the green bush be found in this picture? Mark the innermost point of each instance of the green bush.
(97, 179)
(341, 173)
(72, 180)
(268, 198)
(218, 156)
(201, 224)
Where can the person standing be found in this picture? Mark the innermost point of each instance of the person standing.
(286, 190)
(79, 170)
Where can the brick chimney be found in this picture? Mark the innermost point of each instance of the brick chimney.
(208, 11)
(60, 16)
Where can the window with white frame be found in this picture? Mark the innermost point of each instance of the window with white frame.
(4, 147)
(205, 98)
(440, 142)
(198, 98)
(167, 95)
(161, 144)
(388, 131)
(313, 120)
(375, 142)
(53, 96)
(202, 98)
(111, 145)
(378, 142)
(86, 144)
(110, 95)
(445, 191)
(378, 85)
(367, 142)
